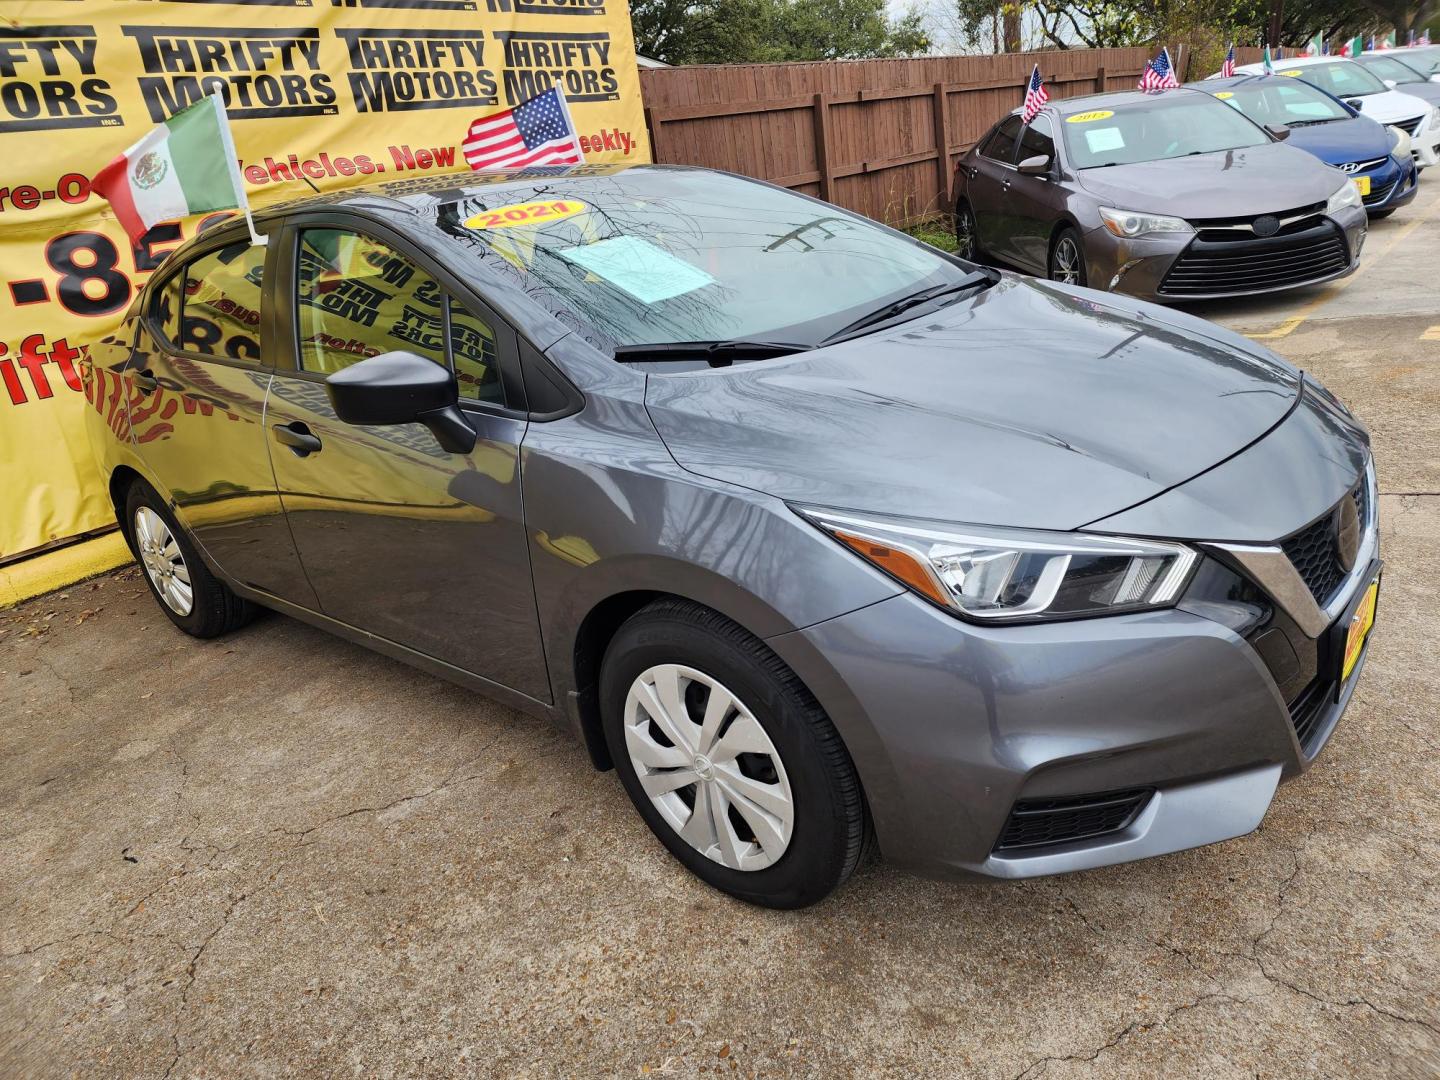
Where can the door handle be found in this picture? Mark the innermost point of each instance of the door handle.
(145, 381)
(298, 437)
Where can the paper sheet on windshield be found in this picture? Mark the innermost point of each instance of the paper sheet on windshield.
(648, 273)
(1101, 140)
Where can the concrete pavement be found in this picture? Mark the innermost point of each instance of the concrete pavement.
(279, 854)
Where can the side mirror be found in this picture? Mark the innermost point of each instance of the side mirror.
(402, 388)
(1039, 165)
(1391, 83)
(1356, 104)
(1280, 132)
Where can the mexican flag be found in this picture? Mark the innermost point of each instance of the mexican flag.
(185, 166)
(1268, 62)
(1354, 47)
(1315, 46)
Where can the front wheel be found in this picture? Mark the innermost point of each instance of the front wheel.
(1067, 258)
(728, 758)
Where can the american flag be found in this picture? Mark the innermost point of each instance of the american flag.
(1160, 74)
(535, 132)
(1227, 69)
(1035, 96)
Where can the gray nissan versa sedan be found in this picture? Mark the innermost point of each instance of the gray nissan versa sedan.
(1167, 196)
(809, 530)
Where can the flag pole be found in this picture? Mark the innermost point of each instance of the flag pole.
(232, 162)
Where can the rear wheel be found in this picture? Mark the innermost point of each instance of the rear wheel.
(728, 758)
(192, 598)
(967, 244)
(1067, 258)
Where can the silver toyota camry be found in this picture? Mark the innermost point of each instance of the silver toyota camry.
(811, 532)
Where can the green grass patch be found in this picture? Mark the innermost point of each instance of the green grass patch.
(938, 232)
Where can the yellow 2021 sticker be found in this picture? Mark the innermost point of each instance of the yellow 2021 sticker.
(1294, 73)
(1224, 95)
(1088, 117)
(530, 213)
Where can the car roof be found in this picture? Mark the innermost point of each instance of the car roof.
(1304, 61)
(429, 192)
(1209, 86)
(1071, 106)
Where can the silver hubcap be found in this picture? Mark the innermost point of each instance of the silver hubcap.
(708, 767)
(1067, 262)
(164, 564)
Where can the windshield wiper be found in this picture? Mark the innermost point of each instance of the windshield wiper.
(905, 303)
(716, 353)
(1312, 123)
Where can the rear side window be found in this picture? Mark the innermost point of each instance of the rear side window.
(220, 306)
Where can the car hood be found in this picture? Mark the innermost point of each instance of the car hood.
(1232, 183)
(1356, 138)
(1030, 405)
(1392, 106)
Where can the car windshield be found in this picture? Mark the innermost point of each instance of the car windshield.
(1343, 78)
(1282, 101)
(646, 256)
(1388, 68)
(1169, 125)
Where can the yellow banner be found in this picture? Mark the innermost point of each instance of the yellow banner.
(321, 94)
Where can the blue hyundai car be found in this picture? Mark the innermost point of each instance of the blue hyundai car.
(1376, 157)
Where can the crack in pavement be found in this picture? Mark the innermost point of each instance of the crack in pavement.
(1135, 1026)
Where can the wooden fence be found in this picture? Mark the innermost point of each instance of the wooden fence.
(876, 136)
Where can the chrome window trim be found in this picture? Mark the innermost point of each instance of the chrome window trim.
(1273, 571)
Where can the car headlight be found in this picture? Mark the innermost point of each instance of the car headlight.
(1400, 144)
(1129, 224)
(1023, 575)
(1345, 196)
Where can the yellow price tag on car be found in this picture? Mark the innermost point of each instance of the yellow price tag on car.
(1293, 73)
(1363, 183)
(1361, 623)
(1088, 117)
(1224, 95)
(531, 213)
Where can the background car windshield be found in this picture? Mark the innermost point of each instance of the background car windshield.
(1342, 78)
(1389, 68)
(684, 255)
(1287, 101)
(1170, 125)
(1426, 60)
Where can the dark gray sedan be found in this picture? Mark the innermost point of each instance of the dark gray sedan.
(1168, 196)
(809, 530)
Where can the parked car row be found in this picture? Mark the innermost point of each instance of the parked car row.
(1228, 187)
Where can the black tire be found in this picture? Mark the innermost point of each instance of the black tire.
(1055, 271)
(830, 824)
(214, 610)
(968, 250)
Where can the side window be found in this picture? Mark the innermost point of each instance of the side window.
(1001, 144)
(358, 298)
(165, 309)
(220, 306)
(472, 347)
(1037, 141)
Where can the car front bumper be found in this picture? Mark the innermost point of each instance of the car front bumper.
(1392, 185)
(951, 725)
(1142, 267)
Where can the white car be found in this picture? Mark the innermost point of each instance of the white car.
(1351, 83)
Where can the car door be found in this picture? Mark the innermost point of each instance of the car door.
(1031, 200)
(990, 173)
(197, 418)
(399, 537)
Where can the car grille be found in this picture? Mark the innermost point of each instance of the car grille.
(1380, 194)
(1222, 262)
(1314, 551)
(1307, 711)
(1044, 822)
(1410, 127)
